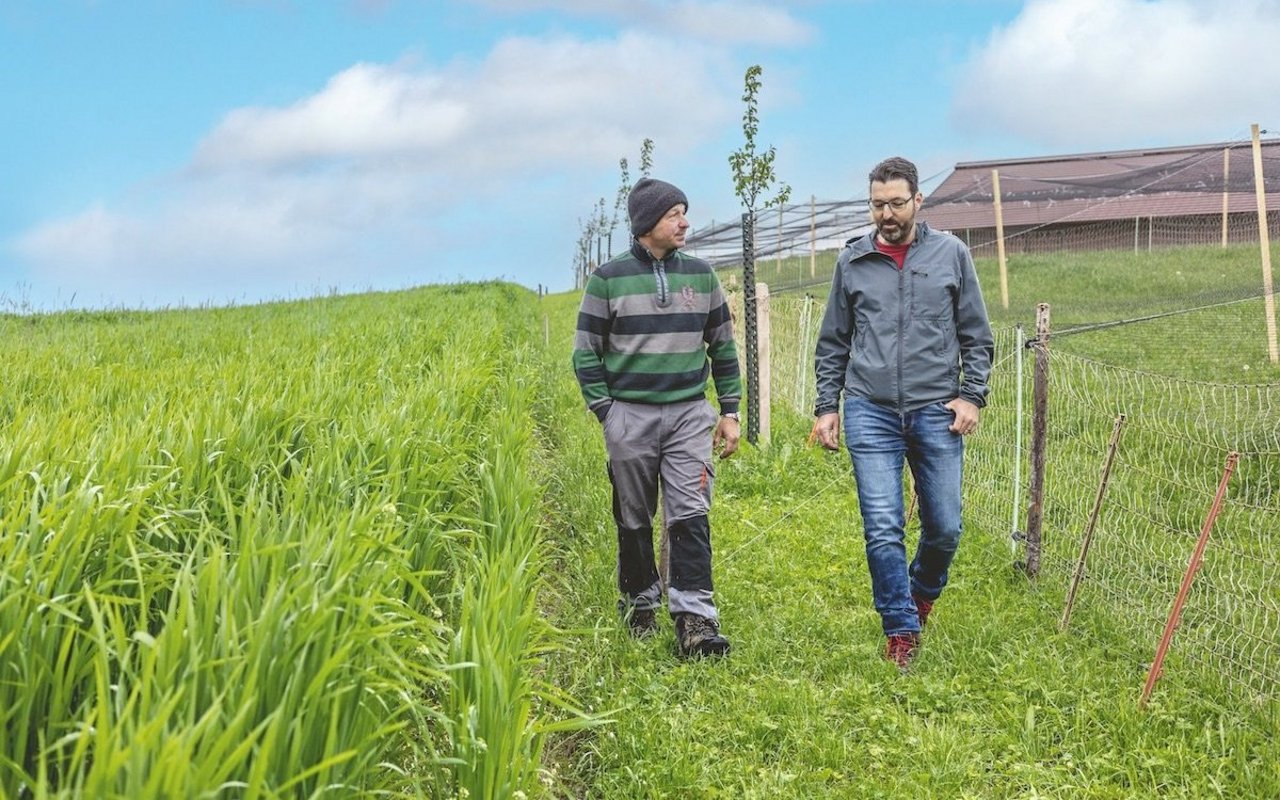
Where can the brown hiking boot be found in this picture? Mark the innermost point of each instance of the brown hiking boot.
(900, 648)
(923, 607)
(642, 622)
(699, 636)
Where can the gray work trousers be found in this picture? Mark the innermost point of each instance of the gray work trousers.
(669, 445)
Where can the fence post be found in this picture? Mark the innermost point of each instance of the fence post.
(1264, 239)
(749, 314)
(1092, 523)
(1000, 257)
(1019, 346)
(813, 236)
(766, 373)
(803, 376)
(1039, 428)
(778, 260)
(1226, 195)
(1196, 557)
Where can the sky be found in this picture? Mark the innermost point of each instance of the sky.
(214, 152)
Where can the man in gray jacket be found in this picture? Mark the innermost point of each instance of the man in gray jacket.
(907, 340)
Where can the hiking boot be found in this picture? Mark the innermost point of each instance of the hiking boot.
(900, 648)
(699, 636)
(923, 607)
(642, 622)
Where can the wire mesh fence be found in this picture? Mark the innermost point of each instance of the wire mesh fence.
(1178, 395)
(1176, 436)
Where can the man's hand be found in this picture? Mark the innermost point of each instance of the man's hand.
(826, 429)
(966, 421)
(728, 432)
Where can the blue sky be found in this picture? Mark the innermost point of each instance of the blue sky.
(161, 153)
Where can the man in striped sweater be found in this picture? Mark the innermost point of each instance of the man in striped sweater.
(653, 326)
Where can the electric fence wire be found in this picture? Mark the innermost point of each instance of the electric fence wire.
(843, 476)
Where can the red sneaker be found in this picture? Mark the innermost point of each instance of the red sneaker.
(923, 607)
(900, 648)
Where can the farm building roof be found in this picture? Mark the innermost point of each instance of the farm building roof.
(1122, 184)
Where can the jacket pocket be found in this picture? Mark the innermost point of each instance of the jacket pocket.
(932, 293)
(615, 425)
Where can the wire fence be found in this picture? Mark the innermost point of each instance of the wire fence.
(1176, 425)
(1176, 436)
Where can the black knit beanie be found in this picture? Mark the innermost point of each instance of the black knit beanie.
(649, 200)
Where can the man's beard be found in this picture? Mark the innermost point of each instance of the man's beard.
(899, 231)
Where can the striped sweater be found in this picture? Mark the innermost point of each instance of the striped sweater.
(652, 331)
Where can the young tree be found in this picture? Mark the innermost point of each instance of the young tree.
(582, 255)
(752, 177)
(599, 227)
(620, 201)
(601, 223)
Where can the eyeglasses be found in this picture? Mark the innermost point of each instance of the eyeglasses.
(897, 203)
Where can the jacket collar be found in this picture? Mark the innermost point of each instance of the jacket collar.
(642, 253)
(865, 244)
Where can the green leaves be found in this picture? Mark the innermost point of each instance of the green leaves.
(753, 174)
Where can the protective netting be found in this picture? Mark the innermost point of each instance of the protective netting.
(1139, 201)
(795, 244)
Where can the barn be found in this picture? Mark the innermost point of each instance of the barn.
(1139, 199)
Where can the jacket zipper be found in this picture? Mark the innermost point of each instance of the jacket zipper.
(902, 331)
(664, 289)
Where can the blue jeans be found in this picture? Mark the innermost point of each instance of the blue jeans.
(879, 442)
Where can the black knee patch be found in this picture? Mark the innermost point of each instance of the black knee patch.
(636, 568)
(690, 553)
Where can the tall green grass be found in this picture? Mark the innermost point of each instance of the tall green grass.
(284, 551)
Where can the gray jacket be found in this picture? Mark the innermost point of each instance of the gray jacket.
(904, 338)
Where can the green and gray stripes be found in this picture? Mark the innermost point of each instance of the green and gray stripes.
(634, 344)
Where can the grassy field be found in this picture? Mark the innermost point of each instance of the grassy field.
(361, 546)
(1001, 703)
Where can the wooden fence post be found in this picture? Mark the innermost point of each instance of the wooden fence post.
(1264, 239)
(778, 261)
(1039, 429)
(813, 236)
(1226, 195)
(1000, 257)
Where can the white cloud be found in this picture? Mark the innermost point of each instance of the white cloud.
(375, 179)
(369, 110)
(201, 246)
(1088, 73)
(722, 21)
(532, 105)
